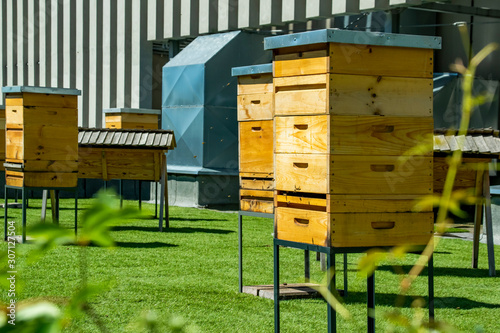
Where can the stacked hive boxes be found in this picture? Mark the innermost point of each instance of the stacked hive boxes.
(2, 137)
(348, 105)
(255, 119)
(41, 137)
(131, 118)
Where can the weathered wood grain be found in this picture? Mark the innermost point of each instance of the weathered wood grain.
(372, 135)
(380, 95)
(302, 172)
(301, 134)
(381, 60)
(256, 146)
(255, 84)
(380, 175)
(255, 107)
(381, 229)
(303, 226)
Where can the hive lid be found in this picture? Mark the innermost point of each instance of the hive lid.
(130, 110)
(352, 37)
(40, 90)
(255, 69)
(126, 138)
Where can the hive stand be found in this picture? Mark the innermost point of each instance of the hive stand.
(478, 147)
(330, 259)
(347, 106)
(41, 142)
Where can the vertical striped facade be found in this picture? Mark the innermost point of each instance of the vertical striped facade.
(100, 47)
(105, 47)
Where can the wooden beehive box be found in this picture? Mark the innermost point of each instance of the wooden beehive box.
(41, 136)
(348, 106)
(255, 128)
(2, 137)
(126, 118)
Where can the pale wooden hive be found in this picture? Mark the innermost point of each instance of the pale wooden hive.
(345, 112)
(41, 137)
(255, 128)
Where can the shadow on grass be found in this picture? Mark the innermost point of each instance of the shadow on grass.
(152, 245)
(192, 219)
(442, 271)
(178, 219)
(185, 230)
(382, 299)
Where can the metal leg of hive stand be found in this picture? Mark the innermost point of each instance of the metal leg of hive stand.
(371, 302)
(240, 253)
(23, 198)
(276, 287)
(307, 266)
(140, 194)
(120, 191)
(489, 224)
(163, 184)
(44, 205)
(57, 192)
(5, 214)
(430, 276)
(345, 275)
(156, 200)
(76, 211)
(330, 271)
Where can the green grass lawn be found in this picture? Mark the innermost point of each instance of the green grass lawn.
(191, 270)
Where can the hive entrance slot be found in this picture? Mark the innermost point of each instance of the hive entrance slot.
(301, 127)
(307, 201)
(382, 167)
(383, 225)
(300, 165)
(382, 129)
(301, 222)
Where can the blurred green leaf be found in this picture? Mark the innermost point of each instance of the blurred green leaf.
(97, 220)
(49, 235)
(39, 317)
(75, 307)
(149, 321)
(367, 264)
(426, 203)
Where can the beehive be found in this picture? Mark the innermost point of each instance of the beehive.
(126, 118)
(348, 105)
(2, 137)
(255, 128)
(41, 137)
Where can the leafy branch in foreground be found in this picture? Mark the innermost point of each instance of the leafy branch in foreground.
(448, 202)
(96, 224)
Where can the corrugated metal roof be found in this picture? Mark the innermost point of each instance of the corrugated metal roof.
(122, 138)
(484, 141)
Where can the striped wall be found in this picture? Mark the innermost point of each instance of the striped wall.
(100, 47)
(104, 47)
(190, 18)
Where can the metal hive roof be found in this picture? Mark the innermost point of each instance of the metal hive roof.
(126, 138)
